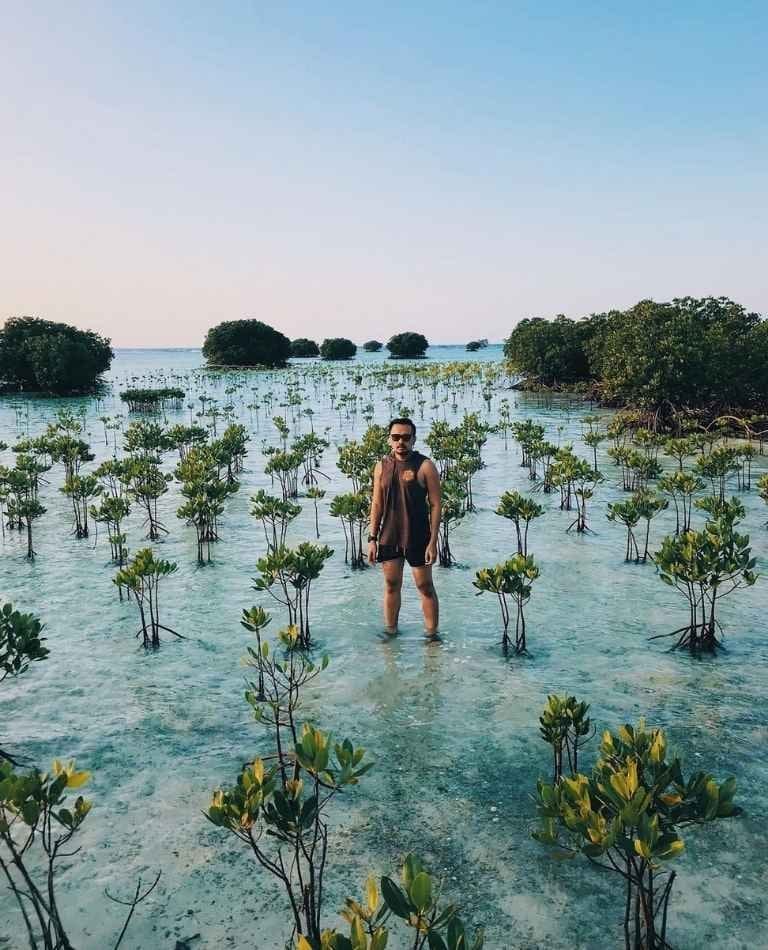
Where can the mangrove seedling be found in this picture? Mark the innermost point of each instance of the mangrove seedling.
(626, 817)
(680, 450)
(584, 480)
(681, 487)
(649, 504)
(564, 724)
(626, 513)
(452, 510)
(141, 577)
(511, 579)
(415, 902)
(81, 489)
(705, 566)
(286, 574)
(762, 487)
(21, 643)
(205, 492)
(521, 511)
(37, 826)
(316, 494)
(353, 510)
(255, 620)
(279, 811)
(285, 467)
(718, 466)
(112, 511)
(146, 484)
(275, 515)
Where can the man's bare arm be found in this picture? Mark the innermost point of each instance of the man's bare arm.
(373, 527)
(432, 483)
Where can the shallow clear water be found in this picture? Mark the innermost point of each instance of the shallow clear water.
(452, 726)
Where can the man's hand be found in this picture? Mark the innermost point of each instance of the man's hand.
(431, 554)
(371, 552)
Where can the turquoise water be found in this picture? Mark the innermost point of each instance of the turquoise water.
(452, 726)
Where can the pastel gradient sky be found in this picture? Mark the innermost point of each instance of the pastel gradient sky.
(358, 169)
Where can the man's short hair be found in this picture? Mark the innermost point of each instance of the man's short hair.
(403, 422)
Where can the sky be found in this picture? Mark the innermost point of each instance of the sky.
(358, 169)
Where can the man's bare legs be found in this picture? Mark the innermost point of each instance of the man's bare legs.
(393, 582)
(430, 605)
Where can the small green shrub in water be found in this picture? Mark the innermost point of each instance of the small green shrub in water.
(113, 510)
(141, 577)
(511, 580)
(681, 487)
(275, 514)
(19, 486)
(146, 484)
(204, 492)
(565, 726)
(625, 817)
(353, 510)
(286, 574)
(80, 489)
(705, 566)
(416, 902)
(521, 511)
(279, 811)
(37, 826)
(762, 487)
(21, 643)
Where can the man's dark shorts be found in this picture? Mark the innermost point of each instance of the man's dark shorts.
(416, 557)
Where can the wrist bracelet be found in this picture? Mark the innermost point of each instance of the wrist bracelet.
(372, 537)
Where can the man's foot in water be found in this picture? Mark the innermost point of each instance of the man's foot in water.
(432, 635)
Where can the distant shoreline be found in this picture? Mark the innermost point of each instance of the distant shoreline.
(192, 349)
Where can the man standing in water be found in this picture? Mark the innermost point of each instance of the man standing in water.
(402, 528)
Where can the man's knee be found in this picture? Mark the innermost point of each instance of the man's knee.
(393, 584)
(426, 589)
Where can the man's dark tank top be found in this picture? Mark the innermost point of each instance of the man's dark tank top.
(404, 518)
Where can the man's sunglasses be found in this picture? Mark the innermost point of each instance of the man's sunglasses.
(397, 437)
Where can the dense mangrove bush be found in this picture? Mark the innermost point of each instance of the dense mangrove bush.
(372, 346)
(304, 347)
(337, 348)
(407, 346)
(720, 354)
(40, 355)
(626, 817)
(246, 343)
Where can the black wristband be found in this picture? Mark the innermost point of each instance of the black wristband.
(372, 537)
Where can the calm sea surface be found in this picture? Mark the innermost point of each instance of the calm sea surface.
(452, 726)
